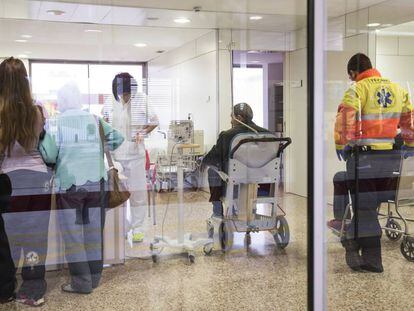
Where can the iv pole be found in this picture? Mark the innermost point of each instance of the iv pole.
(184, 242)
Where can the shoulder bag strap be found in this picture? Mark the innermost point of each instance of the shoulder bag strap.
(106, 152)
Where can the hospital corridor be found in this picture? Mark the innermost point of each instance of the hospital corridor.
(206, 155)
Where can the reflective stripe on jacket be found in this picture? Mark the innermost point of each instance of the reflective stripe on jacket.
(371, 111)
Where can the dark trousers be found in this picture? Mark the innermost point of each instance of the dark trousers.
(27, 227)
(81, 219)
(371, 181)
(217, 189)
(341, 195)
(7, 269)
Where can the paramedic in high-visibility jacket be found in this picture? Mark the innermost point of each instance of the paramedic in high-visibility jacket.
(367, 120)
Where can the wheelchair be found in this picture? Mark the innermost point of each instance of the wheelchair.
(396, 224)
(254, 162)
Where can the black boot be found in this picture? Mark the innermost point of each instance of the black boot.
(371, 254)
(352, 257)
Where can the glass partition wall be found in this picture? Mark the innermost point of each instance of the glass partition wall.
(168, 86)
(367, 122)
(183, 90)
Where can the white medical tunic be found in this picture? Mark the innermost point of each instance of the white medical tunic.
(129, 119)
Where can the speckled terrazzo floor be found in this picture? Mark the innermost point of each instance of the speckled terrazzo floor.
(261, 278)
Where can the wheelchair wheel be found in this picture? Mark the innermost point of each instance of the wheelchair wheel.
(225, 236)
(281, 233)
(210, 230)
(208, 249)
(393, 236)
(407, 248)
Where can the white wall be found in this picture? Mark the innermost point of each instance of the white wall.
(395, 59)
(337, 83)
(296, 116)
(184, 81)
(346, 35)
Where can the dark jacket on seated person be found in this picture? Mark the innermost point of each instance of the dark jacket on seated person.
(218, 157)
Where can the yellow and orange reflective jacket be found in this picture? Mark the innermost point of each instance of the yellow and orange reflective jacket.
(371, 111)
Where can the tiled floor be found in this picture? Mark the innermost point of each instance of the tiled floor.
(261, 278)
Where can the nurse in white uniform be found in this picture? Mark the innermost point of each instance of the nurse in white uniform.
(132, 118)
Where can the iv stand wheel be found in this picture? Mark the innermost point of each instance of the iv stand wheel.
(191, 258)
(155, 252)
(208, 249)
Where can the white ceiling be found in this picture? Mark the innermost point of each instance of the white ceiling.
(135, 16)
(70, 41)
(272, 7)
(284, 7)
(125, 22)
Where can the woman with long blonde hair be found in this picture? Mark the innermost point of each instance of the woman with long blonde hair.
(27, 218)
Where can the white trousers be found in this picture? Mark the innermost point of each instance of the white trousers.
(136, 211)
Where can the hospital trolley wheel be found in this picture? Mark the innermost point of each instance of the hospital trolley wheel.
(281, 233)
(393, 236)
(248, 239)
(407, 248)
(225, 236)
(191, 258)
(208, 249)
(210, 232)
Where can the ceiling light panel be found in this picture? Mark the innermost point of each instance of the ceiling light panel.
(182, 20)
(93, 30)
(255, 18)
(86, 13)
(34, 9)
(121, 16)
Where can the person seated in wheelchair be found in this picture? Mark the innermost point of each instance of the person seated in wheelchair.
(217, 157)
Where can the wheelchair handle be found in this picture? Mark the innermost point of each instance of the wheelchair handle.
(286, 140)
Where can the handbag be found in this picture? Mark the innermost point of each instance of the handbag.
(117, 193)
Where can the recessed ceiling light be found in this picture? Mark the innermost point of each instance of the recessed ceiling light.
(55, 12)
(150, 18)
(140, 45)
(253, 52)
(93, 30)
(20, 40)
(22, 56)
(373, 24)
(220, 41)
(255, 18)
(182, 20)
(26, 36)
